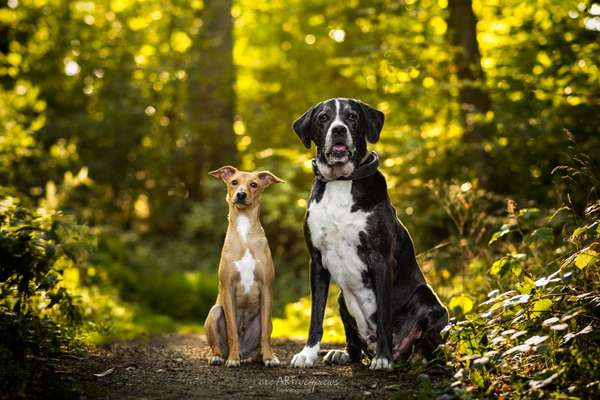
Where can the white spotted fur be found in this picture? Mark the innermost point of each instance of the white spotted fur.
(334, 231)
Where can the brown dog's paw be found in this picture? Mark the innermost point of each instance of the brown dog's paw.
(273, 362)
(216, 360)
(232, 363)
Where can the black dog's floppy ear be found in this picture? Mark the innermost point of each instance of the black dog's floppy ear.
(303, 126)
(373, 121)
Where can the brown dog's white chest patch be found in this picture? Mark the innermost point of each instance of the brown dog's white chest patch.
(243, 227)
(246, 266)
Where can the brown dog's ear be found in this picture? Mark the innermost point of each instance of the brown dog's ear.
(224, 173)
(267, 178)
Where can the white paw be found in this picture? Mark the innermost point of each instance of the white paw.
(216, 360)
(232, 363)
(307, 358)
(273, 362)
(339, 357)
(380, 363)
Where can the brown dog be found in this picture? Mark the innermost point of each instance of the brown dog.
(239, 324)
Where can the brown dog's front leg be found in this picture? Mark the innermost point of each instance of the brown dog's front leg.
(266, 327)
(233, 359)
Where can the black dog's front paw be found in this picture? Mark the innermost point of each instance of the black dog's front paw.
(381, 363)
(337, 357)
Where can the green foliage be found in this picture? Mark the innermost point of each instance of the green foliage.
(37, 312)
(164, 278)
(111, 113)
(34, 250)
(534, 335)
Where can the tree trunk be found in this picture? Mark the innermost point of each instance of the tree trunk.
(208, 122)
(474, 100)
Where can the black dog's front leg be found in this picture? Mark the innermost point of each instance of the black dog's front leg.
(381, 273)
(319, 286)
(353, 351)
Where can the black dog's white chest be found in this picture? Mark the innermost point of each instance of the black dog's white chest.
(335, 231)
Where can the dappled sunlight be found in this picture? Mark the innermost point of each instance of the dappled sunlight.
(112, 113)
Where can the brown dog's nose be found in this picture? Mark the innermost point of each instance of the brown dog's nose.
(241, 196)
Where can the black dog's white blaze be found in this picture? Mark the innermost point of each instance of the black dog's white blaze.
(335, 231)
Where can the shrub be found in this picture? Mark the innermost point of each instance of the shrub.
(37, 313)
(534, 336)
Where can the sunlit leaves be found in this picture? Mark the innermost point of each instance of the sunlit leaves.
(121, 5)
(508, 263)
(504, 230)
(462, 303)
(541, 306)
(585, 258)
(180, 42)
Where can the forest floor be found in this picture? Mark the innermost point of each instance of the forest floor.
(174, 367)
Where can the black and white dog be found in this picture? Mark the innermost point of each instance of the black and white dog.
(353, 234)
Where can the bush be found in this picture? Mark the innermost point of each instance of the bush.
(38, 314)
(534, 335)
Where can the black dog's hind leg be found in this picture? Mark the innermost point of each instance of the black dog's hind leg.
(353, 352)
(419, 324)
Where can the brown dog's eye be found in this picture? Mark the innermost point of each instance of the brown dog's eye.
(234, 182)
(254, 185)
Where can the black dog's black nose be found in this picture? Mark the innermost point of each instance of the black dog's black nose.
(339, 130)
(241, 196)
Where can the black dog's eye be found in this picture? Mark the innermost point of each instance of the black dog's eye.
(323, 117)
(234, 182)
(352, 117)
(253, 185)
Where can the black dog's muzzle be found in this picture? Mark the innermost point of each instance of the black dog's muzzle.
(364, 170)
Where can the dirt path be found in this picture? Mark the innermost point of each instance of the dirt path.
(175, 367)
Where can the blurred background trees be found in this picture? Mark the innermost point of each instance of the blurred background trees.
(113, 111)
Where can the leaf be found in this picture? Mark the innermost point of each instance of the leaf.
(526, 286)
(480, 362)
(463, 302)
(522, 348)
(541, 235)
(535, 340)
(550, 321)
(529, 214)
(541, 306)
(560, 217)
(519, 299)
(500, 266)
(578, 232)
(504, 230)
(105, 373)
(559, 327)
(585, 258)
(540, 384)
